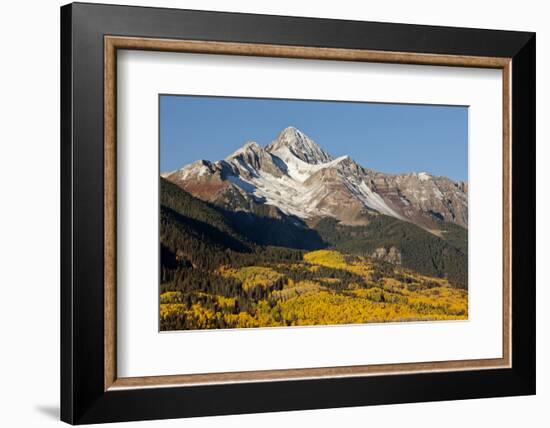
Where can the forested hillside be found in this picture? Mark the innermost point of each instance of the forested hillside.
(421, 251)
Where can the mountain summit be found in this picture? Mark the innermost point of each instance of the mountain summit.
(293, 176)
(292, 141)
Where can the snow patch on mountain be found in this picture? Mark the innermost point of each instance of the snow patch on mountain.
(244, 185)
(290, 192)
(374, 201)
(423, 176)
(299, 170)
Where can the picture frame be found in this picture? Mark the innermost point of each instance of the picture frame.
(91, 35)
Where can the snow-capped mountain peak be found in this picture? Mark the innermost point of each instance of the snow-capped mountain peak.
(299, 145)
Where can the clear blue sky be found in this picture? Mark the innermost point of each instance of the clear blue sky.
(394, 138)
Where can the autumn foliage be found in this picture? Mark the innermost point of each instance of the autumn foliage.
(375, 292)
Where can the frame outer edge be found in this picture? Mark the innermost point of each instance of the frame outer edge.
(297, 31)
(524, 215)
(66, 218)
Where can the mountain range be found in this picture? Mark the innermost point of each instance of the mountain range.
(294, 179)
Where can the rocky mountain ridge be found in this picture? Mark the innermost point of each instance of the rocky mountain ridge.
(293, 176)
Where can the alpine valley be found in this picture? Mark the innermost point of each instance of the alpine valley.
(287, 234)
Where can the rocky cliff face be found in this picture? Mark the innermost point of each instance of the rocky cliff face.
(296, 177)
(391, 255)
(422, 198)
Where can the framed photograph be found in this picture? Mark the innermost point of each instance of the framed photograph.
(266, 213)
